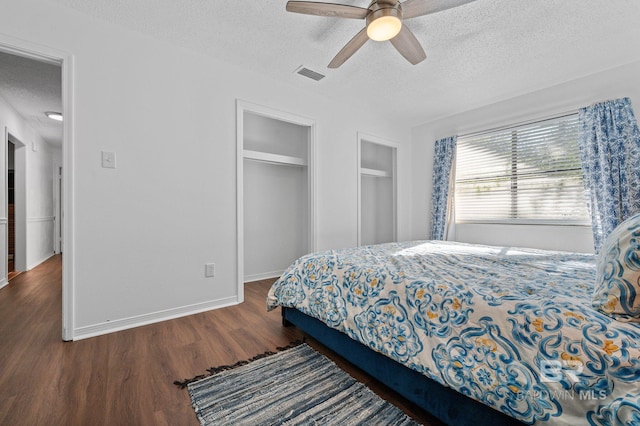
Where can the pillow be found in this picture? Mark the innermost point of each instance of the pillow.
(617, 290)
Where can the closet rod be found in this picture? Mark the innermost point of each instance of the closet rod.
(268, 157)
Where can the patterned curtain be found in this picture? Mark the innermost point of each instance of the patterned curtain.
(440, 203)
(610, 154)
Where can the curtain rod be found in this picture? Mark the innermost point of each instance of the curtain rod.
(522, 123)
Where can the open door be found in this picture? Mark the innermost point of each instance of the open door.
(16, 202)
(11, 213)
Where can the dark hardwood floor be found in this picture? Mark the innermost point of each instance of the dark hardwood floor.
(126, 378)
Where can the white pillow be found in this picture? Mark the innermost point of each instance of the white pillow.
(617, 290)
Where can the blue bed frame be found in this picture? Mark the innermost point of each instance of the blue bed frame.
(446, 404)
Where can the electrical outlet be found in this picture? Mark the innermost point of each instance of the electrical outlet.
(210, 270)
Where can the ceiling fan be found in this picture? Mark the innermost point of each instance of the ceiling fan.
(383, 22)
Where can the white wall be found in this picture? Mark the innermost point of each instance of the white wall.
(8, 119)
(40, 202)
(564, 238)
(376, 225)
(615, 83)
(145, 229)
(275, 218)
(39, 194)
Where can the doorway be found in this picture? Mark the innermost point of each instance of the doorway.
(41, 218)
(16, 205)
(11, 213)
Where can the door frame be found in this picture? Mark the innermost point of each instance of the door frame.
(57, 209)
(47, 54)
(20, 199)
(242, 107)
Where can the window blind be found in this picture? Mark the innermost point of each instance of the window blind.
(525, 174)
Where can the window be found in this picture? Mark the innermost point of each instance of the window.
(525, 174)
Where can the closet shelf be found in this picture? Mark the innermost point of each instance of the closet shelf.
(374, 172)
(268, 157)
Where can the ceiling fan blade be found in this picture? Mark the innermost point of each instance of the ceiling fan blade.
(408, 45)
(413, 8)
(350, 48)
(327, 9)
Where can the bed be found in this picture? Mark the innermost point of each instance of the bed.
(474, 334)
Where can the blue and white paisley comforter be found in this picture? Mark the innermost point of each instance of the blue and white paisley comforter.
(511, 328)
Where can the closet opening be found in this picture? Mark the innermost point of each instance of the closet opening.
(276, 208)
(377, 190)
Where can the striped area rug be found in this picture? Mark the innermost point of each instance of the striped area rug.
(298, 386)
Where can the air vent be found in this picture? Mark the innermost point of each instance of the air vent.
(306, 72)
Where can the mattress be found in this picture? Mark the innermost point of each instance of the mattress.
(512, 328)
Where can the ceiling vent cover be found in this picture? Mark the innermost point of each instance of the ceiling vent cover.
(306, 72)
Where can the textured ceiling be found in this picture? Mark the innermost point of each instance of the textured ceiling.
(32, 88)
(477, 54)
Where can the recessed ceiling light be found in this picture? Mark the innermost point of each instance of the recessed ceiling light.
(54, 115)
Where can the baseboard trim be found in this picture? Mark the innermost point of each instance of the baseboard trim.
(262, 276)
(151, 318)
(3, 283)
(44, 259)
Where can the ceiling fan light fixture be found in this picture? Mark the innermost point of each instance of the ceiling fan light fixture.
(384, 22)
(384, 28)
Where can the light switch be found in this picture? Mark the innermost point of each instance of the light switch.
(108, 160)
(210, 270)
